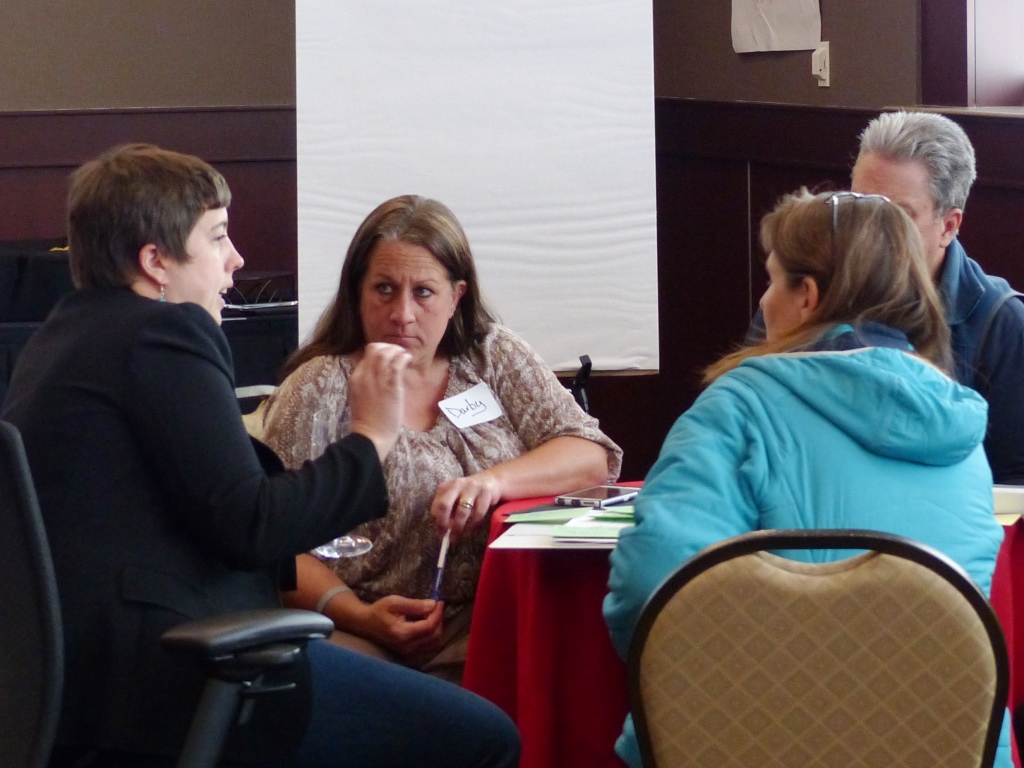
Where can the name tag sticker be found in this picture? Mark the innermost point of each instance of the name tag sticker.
(474, 406)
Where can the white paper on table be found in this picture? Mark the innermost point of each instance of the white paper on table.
(589, 521)
(539, 536)
(775, 25)
(1009, 503)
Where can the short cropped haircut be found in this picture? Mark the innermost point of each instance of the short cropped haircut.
(932, 140)
(132, 196)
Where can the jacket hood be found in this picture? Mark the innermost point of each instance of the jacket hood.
(891, 403)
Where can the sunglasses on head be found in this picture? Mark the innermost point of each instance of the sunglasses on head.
(834, 200)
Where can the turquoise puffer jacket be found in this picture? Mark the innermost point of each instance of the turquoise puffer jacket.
(871, 438)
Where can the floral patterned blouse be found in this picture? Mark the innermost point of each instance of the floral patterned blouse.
(537, 408)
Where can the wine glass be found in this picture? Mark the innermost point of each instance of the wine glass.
(343, 546)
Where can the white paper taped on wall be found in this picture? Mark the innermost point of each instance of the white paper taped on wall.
(775, 25)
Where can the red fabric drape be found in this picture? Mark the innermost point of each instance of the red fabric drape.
(539, 648)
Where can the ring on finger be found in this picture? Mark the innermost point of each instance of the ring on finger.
(466, 503)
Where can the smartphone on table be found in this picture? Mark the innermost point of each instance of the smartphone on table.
(597, 496)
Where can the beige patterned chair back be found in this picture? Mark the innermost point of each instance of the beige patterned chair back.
(892, 657)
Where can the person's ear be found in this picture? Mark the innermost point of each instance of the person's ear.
(153, 265)
(809, 298)
(950, 225)
(458, 291)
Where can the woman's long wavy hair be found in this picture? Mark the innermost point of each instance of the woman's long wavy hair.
(417, 221)
(870, 267)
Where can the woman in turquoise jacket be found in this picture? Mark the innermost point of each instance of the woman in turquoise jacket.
(842, 418)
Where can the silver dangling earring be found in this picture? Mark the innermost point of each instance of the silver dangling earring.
(163, 294)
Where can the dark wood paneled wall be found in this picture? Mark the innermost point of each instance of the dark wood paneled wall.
(947, 52)
(253, 147)
(720, 167)
(883, 52)
(874, 52)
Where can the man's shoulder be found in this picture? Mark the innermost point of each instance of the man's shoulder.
(971, 297)
(967, 270)
(1008, 316)
(993, 320)
(1000, 301)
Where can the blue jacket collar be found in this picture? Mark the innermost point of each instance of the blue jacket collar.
(959, 288)
(869, 334)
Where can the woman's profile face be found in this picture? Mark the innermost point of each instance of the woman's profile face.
(212, 261)
(407, 298)
(785, 308)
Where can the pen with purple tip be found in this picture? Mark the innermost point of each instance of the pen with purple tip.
(435, 593)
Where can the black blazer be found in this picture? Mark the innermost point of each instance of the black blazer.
(158, 510)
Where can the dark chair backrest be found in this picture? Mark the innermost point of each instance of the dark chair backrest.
(890, 657)
(31, 641)
(34, 276)
(236, 648)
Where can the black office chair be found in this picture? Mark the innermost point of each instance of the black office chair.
(31, 641)
(579, 383)
(236, 649)
(891, 657)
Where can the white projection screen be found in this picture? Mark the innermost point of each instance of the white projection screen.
(533, 120)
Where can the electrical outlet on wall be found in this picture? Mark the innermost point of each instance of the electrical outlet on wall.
(821, 66)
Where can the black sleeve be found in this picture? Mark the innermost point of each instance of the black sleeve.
(1001, 382)
(183, 408)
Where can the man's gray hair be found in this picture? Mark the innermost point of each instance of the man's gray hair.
(933, 140)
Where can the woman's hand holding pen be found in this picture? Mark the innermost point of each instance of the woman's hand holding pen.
(461, 504)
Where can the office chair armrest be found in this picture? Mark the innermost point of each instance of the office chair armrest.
(237, 649)
(219, 636)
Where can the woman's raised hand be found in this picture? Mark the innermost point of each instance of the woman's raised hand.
(377, 394)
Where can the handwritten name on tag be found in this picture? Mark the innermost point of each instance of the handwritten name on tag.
(474, 406)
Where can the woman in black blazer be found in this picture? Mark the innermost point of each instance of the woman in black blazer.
(160, 509)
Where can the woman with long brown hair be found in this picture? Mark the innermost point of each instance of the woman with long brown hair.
(484, 420)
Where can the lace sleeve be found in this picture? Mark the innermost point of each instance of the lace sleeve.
(316, 385)
(536, 403)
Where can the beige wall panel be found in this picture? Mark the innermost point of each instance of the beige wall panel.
(874, 48)
(100, 54)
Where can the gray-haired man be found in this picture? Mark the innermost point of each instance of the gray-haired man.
(924, 163)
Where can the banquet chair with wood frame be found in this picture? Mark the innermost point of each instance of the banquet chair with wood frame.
(892, 656)
(234, 649)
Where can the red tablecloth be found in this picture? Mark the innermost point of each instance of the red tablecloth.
(1008, 600)
(539, 648)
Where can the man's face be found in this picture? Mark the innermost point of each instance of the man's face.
(906, 183)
